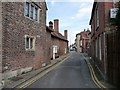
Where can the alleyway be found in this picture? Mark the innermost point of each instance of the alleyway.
(73, 73)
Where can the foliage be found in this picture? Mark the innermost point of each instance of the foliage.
(116, 21)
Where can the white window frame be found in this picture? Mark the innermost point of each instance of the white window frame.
(96, 45)
(100, 51)
(65, 50)
(97, 17)
(33, 43)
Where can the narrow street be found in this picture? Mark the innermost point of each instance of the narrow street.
(73, 73)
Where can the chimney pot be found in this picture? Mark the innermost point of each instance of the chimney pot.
(51, 24)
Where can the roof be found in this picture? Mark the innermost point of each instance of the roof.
(92, 14)
(78, 34)
(59, 36)
(85, 34)
(56, 34)
(49, 29)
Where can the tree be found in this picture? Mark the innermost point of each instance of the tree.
(116, 21)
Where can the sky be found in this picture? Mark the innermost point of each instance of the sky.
(73, 16)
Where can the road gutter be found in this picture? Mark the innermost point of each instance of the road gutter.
(92, 73)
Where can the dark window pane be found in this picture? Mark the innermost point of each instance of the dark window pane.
(31, 43)
(36, 13)
(27, 9)
(27, 42)
(31, 11)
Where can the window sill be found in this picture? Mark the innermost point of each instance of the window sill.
(30, 50)
(31, 19)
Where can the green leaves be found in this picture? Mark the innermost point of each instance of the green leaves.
(116, 21)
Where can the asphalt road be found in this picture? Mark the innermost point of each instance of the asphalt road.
(73, 73)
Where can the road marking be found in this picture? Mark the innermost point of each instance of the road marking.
(94, 78)
(31, 81)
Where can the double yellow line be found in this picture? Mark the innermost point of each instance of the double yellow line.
(31, 81)
(94, 78)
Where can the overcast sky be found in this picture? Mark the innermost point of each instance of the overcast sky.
(73, 16)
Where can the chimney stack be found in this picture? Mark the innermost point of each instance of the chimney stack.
(56, 25)
(65, 33)
(51, 24)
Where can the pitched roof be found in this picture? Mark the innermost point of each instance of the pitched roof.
(56, 34)
(49, 29)
(78, 34)
(85, 34)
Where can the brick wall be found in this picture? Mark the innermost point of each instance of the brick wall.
(97, 32)
(15, 27)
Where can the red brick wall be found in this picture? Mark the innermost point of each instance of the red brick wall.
(104, 21)
(61, 44)
(15, 27)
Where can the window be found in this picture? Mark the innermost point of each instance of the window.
(29, 43)
(27, 9)
(97, 18)
(31, 11)
(65, 50)
(96, 45)
(36, 13)
(100, 56)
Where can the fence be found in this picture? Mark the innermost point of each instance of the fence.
(113, 58)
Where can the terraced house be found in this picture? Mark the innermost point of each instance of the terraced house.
(23, 37)
(56, 42)
(104, 52)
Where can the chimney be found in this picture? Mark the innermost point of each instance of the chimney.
(51, 24)
(65, 33)
(56, 25)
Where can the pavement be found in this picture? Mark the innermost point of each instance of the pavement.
(16, 81)
(97, 73)
(72, 73)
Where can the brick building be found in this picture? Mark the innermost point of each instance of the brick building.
(23, 37)
(77, 42)
(58, 43)
(83, 41)
(100, 25)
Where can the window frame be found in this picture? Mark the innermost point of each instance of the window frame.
(97, 17)
(96, 47)
(100, 48)
(27, 9)
(38, 11)
(31, 11)
(33, 43)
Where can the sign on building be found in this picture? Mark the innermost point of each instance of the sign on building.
(113, 12)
